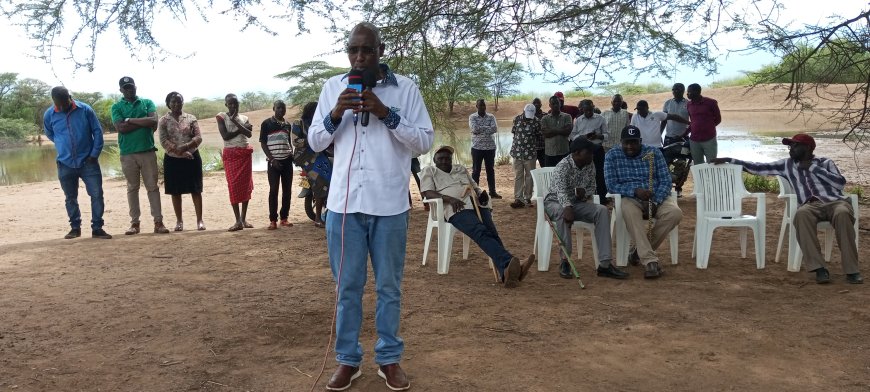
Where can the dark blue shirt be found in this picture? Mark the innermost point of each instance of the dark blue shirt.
(76, 133)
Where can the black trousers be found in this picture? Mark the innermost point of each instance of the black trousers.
(284, 178)
(553, 160)
(486, 157)
(600, 187)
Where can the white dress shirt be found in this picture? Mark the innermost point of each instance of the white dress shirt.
(375, 160)
(584, 126)
(650, 127)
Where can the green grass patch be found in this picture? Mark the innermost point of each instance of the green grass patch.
(754, 183)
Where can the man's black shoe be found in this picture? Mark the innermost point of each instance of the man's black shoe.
(633, 258)
(101, 234)
(565, 270)
(822, 275)
(74, 233)
(612, 272)
(854, 278)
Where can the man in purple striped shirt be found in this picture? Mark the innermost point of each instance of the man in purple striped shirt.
(818, 185)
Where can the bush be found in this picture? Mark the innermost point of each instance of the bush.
(754, 183)
(17, 130)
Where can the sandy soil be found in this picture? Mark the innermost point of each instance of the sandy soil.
(251, 311)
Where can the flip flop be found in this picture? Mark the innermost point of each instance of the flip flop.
(319, 224)
(235, 227)
(200, 226)
(248, 225)
(179, 226)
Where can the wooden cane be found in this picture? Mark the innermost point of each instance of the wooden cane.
(474, 203)
(564, 250)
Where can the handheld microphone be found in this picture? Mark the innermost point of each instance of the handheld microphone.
(369, 81)
(355, 81)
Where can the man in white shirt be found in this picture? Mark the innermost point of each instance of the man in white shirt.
(616, 119)
(368, 199)
(593, 127)
(650, 123)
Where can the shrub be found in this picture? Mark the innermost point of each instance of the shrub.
(754, 183)
(16, 130)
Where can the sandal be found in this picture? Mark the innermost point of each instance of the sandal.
(286, 223)
(236, 227)
(179, 226)
(200, 226)
(272, 226)
(319, 224)
(248, 225)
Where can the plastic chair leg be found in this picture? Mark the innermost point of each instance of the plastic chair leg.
(545, 249)
(428, 241)
(782, 229)
(675, 244)
(743, 236)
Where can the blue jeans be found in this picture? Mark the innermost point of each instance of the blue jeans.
(69, 182)
(484, 235)
(383, 238)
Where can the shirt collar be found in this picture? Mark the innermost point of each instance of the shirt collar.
(72, 106)
(389, 77)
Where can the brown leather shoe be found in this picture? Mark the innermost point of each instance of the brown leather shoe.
(396, 378)
(343, 377)
(134, 229)
(527, 266)
(159, 228)
(512, 273)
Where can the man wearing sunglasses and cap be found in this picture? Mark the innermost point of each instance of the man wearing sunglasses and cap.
(818, 185)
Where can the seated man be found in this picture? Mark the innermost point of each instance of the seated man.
(639, 173)
(570, 198)
(818, 185)
(452, 184)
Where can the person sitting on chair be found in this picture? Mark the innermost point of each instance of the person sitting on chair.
(467, 209)
(627, 172)
(570, 198)
(818, 185)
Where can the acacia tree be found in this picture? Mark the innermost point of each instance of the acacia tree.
(590, 38)
(506, 76)
(309, 78)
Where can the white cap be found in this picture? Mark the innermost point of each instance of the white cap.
(529, 111)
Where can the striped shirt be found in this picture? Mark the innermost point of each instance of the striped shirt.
(623, 174)
(566, 177)
(615, 122)
(276, 135)
(482, 129)
(821, 181)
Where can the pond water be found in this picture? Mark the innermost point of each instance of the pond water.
(37, 163)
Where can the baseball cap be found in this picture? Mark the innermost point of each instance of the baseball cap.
(581, 143)
(444, 147)
(529, 111)
(801, 138)
(642, 103)
(559, 95)
(630, 132)
(125, 81)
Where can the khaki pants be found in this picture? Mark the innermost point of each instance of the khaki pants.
(668, 216)
(841, 216)
(142, 165)
(523, 179)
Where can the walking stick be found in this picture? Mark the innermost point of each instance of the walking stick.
(475, 202)
(564, 250)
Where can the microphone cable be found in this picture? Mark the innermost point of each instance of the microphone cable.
(340, 260)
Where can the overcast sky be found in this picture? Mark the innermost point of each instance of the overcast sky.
(224, 60)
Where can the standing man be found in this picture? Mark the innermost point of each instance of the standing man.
(572, 110)
(526, 132)
(483, 126)
(650, 123)
(555, 127)
(570, 199)
(818, 184)
(592, 126)
(627, 172)
(539, 114)
(78, 138)
(368, 199)
(136, 120)
(705, 116)
(675, 130)
(616, 119)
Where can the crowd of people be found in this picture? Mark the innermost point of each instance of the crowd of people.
(592, 153)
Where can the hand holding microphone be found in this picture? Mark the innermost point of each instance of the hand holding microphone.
(358, 96)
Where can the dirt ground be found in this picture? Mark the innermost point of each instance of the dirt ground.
(251, 310)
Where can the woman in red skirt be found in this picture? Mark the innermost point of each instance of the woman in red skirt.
(235, 129)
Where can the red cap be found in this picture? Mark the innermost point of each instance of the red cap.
(801, 138)
(559, 95)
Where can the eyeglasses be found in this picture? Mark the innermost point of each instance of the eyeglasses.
(366, 50)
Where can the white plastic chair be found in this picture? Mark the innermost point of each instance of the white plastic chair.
(719, 192)
(623, 240)
(543, 233)
(791, 205)
(446, 232)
